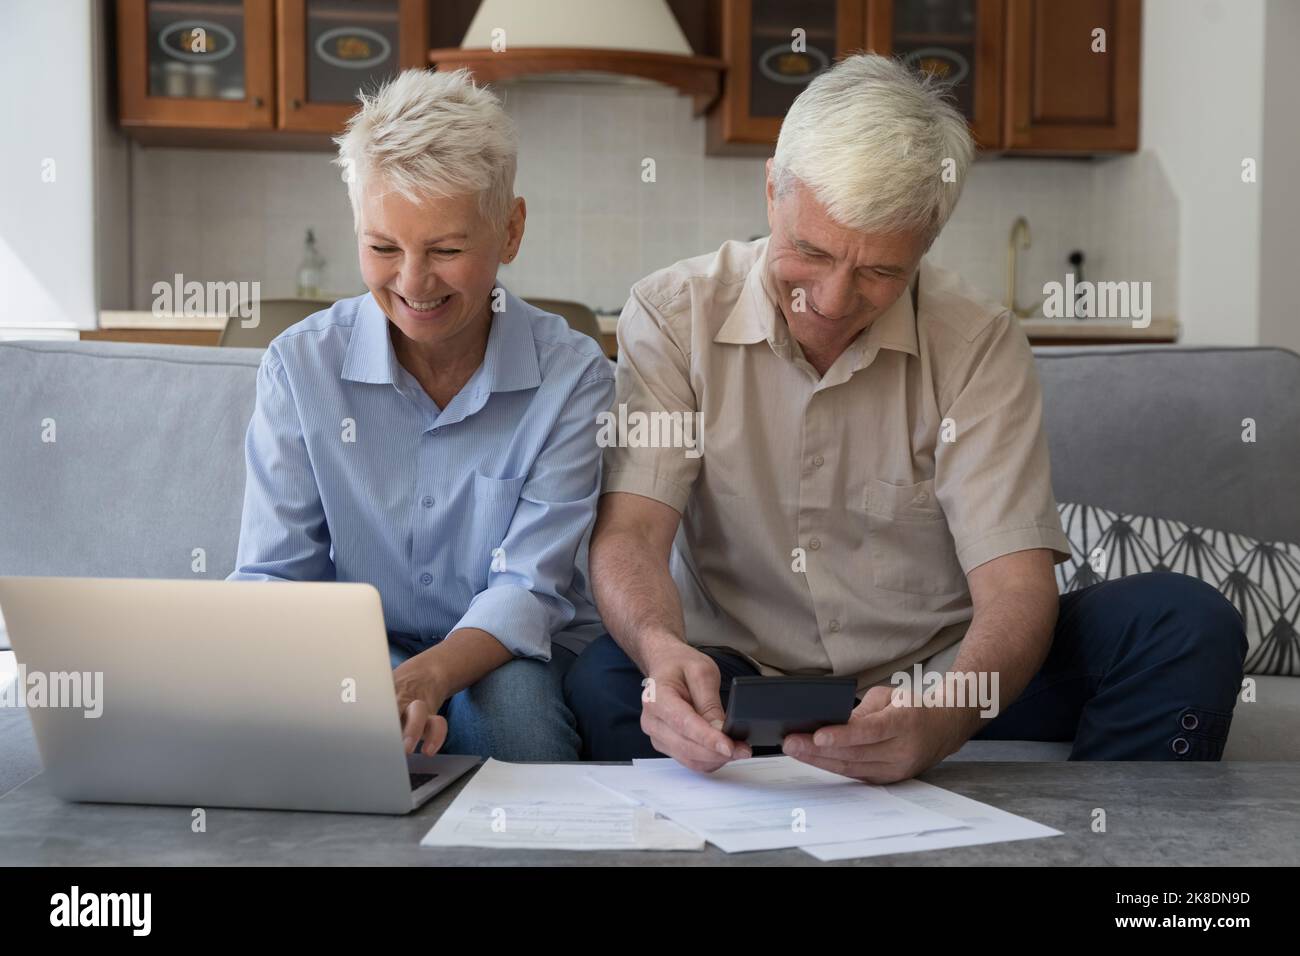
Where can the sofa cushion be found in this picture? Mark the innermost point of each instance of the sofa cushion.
(1260, 578)
(146, 463)
(1157, 430)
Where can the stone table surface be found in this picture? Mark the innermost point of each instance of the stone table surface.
(1157, 814)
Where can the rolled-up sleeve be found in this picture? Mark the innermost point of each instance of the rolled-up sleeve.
(994, 478)
(524, 603)
(283, 534)
(653, 378)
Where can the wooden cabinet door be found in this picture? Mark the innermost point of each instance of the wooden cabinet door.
(1061, 95)
(960, 41)
(328, 50)
(768, 65)
(199, 64)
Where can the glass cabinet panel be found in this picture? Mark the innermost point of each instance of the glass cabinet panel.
(781, 65)
(195, 49)
(939, 37)
(351, 45)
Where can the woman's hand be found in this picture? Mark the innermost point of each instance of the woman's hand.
(420, 695)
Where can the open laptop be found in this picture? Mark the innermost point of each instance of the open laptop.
(271, 695)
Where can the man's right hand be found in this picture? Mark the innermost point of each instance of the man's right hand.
(681, 712)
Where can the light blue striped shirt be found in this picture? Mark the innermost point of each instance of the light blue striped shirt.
(475, 515)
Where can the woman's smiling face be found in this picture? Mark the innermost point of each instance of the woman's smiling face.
(431, 263)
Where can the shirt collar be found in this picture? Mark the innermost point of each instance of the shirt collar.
(509, 361)
(370, 357)
(754, 317)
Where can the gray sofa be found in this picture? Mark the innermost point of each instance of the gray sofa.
(148, 465)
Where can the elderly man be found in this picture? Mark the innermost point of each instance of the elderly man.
(874, 490)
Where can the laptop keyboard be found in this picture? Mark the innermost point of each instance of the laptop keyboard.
(418, 780)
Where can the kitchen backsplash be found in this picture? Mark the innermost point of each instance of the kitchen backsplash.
(595, 227)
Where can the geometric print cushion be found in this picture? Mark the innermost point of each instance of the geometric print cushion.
(1260, 578)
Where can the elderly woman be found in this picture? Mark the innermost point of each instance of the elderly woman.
(436, 437)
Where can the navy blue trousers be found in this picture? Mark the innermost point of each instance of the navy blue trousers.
(1146, 667)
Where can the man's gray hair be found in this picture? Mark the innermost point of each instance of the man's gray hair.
(879, 145)
(425, 134)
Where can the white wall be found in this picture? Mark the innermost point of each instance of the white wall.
(47, 241)
(1202, 113)
(1279, 300)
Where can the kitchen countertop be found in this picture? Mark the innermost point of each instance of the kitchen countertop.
(145, 319)
(1164, 328)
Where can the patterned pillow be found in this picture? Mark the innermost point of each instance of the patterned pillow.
(1260, 578)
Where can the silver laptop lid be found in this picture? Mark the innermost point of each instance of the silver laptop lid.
(211, 693)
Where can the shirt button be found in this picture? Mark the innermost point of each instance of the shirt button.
(1181, 746)
(923, 496)
(427, 501)
(835, 626)
(818, 460)
(1190, 722)
(815, 543)
(426, 578)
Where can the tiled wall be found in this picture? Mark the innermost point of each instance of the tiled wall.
(594, 226)
(1120, 212)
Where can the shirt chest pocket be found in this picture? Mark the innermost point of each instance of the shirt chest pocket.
(911, 548)
(495, 500)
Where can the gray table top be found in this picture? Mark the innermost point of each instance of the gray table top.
(1157, 814)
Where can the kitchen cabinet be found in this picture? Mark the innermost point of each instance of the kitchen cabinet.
(202, 65)
(1063, 96)
(260, 73)
(327, 50)
(768, 64)
(1026, 74)
(959, 41)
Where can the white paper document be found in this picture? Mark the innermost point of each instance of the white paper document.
(981, 823)
(550, 806)
(769, 803)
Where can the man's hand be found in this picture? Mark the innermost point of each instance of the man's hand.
(882, 743)
(683, 715)
(420, 695)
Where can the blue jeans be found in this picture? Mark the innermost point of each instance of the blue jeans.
(516, 713)
(1146, 667)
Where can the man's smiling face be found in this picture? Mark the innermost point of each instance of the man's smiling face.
(831, 281)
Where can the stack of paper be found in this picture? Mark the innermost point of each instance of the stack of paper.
(769, 803)
(777, 802)
(981, 823)
(550, 806)
(766, 803)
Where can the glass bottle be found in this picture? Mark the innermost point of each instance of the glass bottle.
(310, 269)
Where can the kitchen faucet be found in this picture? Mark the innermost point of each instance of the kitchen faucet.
(1019, 240)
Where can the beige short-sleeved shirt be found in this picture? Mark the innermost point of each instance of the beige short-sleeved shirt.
(828, 525)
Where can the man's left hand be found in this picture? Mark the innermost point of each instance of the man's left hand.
(882, 743)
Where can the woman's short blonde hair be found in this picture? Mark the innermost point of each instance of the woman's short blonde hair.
(880, 146)
(426, 133)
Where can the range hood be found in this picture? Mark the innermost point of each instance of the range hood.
(609, 39)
